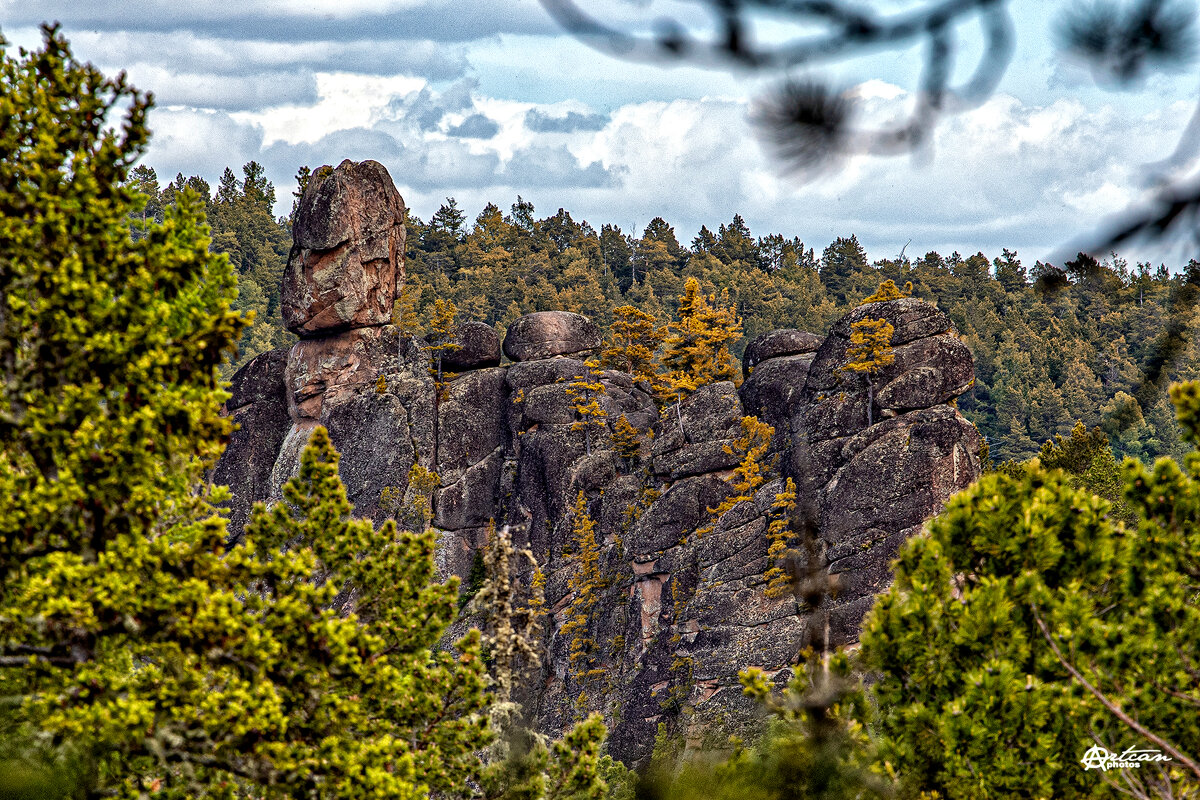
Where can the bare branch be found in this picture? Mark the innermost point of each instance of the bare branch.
(1112, 707)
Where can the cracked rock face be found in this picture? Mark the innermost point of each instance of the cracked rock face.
(348, 252)
(683, 606)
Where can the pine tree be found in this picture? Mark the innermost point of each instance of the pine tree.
(751, 446)
(585, 395)
(511, 624)
(778, 533)
(888, 291)
(585, 583)
(870, 351)
(1067, 629)
(628, 442)
(633, 338)
(404, 312)
(696, 350)
(135, 652)
(1086, 456)
(441, 332)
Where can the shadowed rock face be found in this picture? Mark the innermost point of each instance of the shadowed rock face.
(259, 408)
(683, 607)
(348, 252)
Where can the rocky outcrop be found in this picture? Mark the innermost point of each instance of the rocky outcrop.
(258, 406)
(875, 485)
(545, 334)
(775, 369)
(348, 255)
(475, 346)
(682, 607)
(777, 344)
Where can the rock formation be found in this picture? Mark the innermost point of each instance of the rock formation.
(682, 608)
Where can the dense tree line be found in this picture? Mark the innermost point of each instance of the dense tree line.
(1095, 341)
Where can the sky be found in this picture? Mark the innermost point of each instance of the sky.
(485, 100)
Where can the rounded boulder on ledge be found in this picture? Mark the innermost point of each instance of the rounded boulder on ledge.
(545, 334)
(478, 348)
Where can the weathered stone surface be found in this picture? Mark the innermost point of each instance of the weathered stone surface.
(680, 511)
(348, 251)
(550, 404)
(593, 473)
(455, 557)
(930, 371)
(910, 318)
(258, 405)
(773, 390)
(623, 397)
(691, 440)
(874, 485)
(260, 380)
(778, 343)
(471, 421)
(471, 501)
(371, 432)
(327, 370)
(527, 374)
(895, 473)
(681, 612)
(550, 333)
(927, 370)
(478, 347)
(333, 382)
(545, 468)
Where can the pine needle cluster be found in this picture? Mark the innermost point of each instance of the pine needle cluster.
(590, 416)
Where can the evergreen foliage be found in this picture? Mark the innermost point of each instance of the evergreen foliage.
(440, 334)
(1098, 340)
(888, 291)
(696, 350)
(627, 441)
(870, 351)
(585, 583)
(751, 446)
(137, 655)
(778, 534)
(1031, 623)
(633, 338)
(585, 395)
(1087, 457)
(404, 311)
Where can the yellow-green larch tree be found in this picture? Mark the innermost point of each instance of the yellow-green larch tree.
(869, 352)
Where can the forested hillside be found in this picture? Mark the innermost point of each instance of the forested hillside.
(1094, 341)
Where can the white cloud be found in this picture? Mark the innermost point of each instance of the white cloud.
(346, 101)
(418, 85)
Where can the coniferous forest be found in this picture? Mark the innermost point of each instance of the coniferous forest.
(1087, 341)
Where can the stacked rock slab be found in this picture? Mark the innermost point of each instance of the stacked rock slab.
(682, 608)
(338, 291)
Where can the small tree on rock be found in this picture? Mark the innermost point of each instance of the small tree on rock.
(585, 583)
(696, 350)
(633, 338)
(888, 291)
(870, 351)
(585, 394)
(441, 334)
